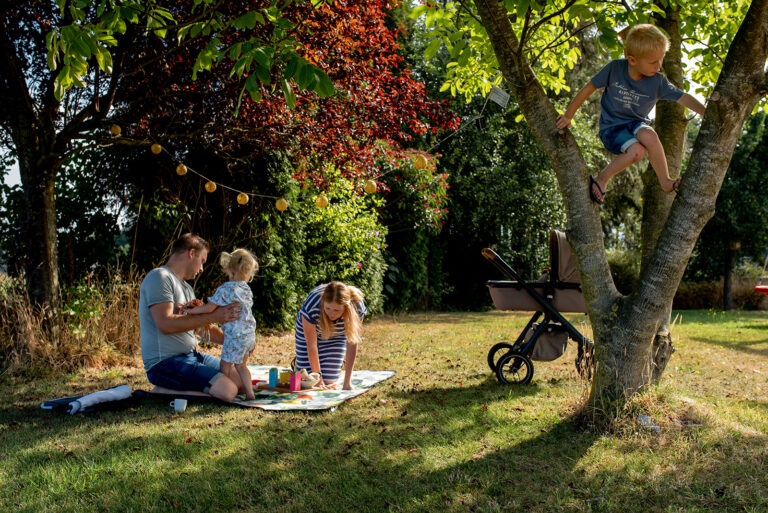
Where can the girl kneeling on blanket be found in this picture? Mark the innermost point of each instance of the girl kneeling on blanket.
(328, 330)
(240, 334)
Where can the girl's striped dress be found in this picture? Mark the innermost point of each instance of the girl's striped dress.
(330, 351)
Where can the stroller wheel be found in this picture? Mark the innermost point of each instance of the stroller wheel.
(496, 352)
(514, 369)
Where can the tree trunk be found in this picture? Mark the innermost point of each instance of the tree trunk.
(38, 229)
(670, 125)
(624, 327)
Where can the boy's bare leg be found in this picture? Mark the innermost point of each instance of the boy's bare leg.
(634, 153)
(650, 139)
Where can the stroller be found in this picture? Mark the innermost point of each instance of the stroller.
(558, 290)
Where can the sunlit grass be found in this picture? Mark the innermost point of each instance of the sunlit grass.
(442, 435)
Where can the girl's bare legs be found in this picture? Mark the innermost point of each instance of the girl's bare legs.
(245, 377)
(228, 369)
(650, 139)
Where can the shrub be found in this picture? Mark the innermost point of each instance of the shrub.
(344, 241)
(98, 326)
(709, 294)
(625, 269)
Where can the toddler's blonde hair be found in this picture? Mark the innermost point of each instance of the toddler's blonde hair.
(343, 295)
(640, 40)
(240, 265)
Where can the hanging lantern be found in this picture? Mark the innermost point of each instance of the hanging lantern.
(115, 129)
(242, 198)
(370, 186)
(181, 170)
(420, 162)
(281, 204)
(156, 148)
(210, 186)
(321, 201)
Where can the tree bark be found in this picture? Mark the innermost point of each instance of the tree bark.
(38, 230)
(671, 126)
(624, 327)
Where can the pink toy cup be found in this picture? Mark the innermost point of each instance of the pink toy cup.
(295, 382)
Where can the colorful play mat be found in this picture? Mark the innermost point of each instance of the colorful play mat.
(266, 399)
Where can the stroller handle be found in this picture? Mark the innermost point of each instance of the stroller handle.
(500, 264)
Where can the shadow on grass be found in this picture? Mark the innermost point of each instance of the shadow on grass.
(395, 448)
(746, 346)
(756, 326)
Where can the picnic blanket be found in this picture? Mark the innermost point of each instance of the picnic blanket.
(362, 381)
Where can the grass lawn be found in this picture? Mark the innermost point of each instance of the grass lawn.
(442, 435)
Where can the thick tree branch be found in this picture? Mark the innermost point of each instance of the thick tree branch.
(739, 87)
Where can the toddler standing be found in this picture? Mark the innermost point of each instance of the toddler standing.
(240, 334)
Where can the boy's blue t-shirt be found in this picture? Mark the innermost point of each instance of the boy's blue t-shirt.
(624, 99)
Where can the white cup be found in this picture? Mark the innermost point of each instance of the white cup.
(179, 405)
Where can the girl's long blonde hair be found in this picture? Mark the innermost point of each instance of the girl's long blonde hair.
(345, 296)
(240, 265)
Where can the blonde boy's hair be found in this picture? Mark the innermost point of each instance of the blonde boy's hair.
(240, 265)
(345, 296)
(641, 40)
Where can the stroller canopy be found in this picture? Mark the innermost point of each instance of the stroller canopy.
(561, 260)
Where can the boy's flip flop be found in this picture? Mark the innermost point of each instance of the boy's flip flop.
(592, 194)
(676, 185)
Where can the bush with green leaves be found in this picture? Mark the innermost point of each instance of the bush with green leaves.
(414, 213)
(625, 268)
(344, 241)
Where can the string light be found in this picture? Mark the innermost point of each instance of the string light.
(243, 198)
(370, 186)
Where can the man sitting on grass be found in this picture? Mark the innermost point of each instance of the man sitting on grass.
(168, 343)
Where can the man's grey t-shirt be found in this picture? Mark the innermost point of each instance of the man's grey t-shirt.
(624, 99)
(162, 286)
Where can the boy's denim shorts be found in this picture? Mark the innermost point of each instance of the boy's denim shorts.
(617, 139)
(191, 371)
